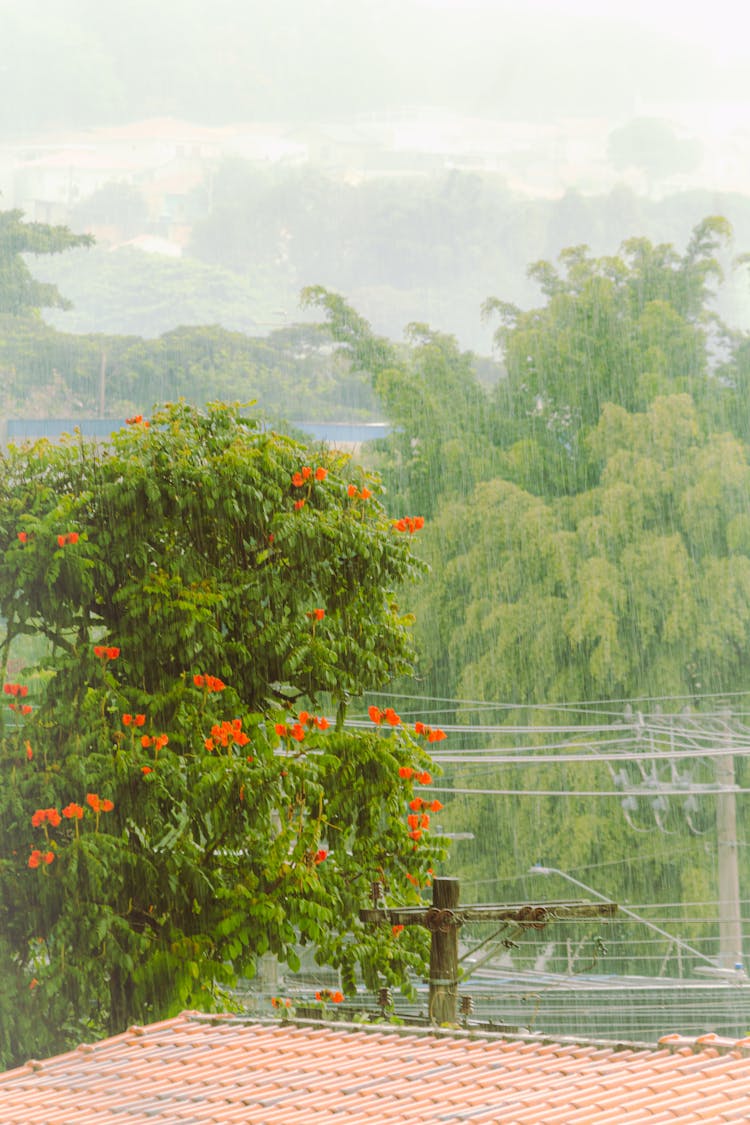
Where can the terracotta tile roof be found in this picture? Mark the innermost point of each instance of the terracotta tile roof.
(203, 1070)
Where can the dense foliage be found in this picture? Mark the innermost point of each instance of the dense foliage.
(589, 542)
(181, 792)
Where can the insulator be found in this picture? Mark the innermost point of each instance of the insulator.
(467, 1005)
(376, 890)
(385, 998)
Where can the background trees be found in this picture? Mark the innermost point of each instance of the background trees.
(19, 293)
(181, 793)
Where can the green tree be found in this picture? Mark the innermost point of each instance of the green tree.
(20, 294)
(430, 392)
(617, 329)
(176, 801)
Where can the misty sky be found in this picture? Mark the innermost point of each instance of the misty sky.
(79, 62)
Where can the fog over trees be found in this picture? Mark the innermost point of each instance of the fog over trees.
(516, 237)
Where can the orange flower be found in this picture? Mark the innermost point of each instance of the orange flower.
(112, 653)
(318, 614)
(127, 720)
(73, 811)
(48, 857)
(321, 723)
(304, 717)
(22, 537)
(160, 741)
(416, 804)
(100, 651)
(419, 728)
(352, 491)
(415, 834)
(146, 769)
(375, 714)
(391, 717)
(61, 540)
(145, 741)
(29, 751)
(26, 709)
(73, 537)
(435, 806)
(424, 778)
(412, 820)
(406, 772)
(436, 735)
(321, 473)
(306, 472)
(53, 817)
(107, 805)
(208, 743)
(365, 494)
(424, 821)
(198, 680)
(35, 858)
(320, 855)
(280, 729)
(92, 799)
(337, 997)
(139, 720)
(298, 480)
(298, 504)
(396, 930)
(298, 732)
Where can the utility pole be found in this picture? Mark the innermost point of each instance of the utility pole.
(730, 918)
(444, 919)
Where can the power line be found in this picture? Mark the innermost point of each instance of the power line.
(661, 790)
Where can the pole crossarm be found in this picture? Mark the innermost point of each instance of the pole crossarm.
(532, 914)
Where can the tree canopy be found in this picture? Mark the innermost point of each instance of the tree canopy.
(20, 293)
(188, 610)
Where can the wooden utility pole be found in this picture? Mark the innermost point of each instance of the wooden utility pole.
(444, 919)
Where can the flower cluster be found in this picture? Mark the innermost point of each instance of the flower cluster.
(280, 1002)
(311, 721)
(106, 652)
(46, 816)
(419, 803)
(73, 811)
(133, 720)
(295, 731)
(158, 741)
(69, 537)
(389, 716)
(208, 683)
(316, 614)
(409, 523)
(326, 994)
(227, 734)
(300, 478)
(99, 804)
(37, 857)
(417, 823)
(136, 420)
(432, 734)
(407, 773)
(18, 691)
(355, 493)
